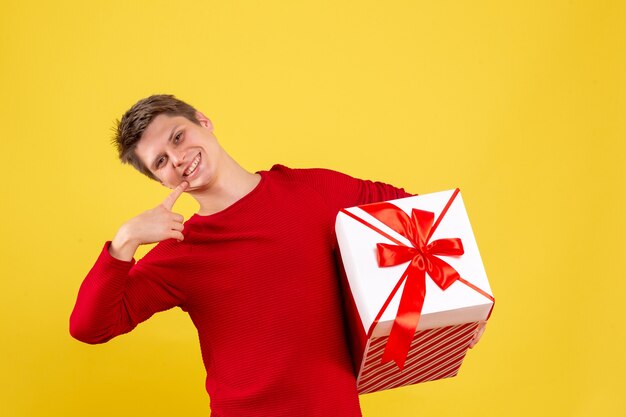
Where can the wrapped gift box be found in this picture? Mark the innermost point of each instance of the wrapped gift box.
(415, 288)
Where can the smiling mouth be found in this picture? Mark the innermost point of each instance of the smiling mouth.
(192, 167)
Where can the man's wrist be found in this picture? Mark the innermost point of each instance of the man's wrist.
(123, 247)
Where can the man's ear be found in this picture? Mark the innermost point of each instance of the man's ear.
(204, 121)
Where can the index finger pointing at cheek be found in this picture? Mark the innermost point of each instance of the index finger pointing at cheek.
(169, 201)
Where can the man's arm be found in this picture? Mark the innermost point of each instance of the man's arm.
(115, 295)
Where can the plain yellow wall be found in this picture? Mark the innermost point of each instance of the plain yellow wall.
(520, 104)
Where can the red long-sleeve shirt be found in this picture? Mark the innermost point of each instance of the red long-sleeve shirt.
(259, 281)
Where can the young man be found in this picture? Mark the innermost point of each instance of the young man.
(254, 268)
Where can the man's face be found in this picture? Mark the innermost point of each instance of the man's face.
(175, 149)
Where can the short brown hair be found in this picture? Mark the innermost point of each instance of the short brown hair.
(130, 128)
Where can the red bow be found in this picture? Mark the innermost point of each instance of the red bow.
(417, 229)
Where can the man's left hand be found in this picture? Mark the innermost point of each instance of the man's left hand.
(478, 333)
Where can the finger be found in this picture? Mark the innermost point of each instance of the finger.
(481, 330)
(178, 226)
(169, 201)
(176, 235)
(478, 334)
(178, 218)
(473, 341)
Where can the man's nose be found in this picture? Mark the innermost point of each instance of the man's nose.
(177, 158)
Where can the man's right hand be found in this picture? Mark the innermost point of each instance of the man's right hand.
(151, 226)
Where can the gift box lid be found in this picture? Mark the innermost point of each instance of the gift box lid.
(371, 285)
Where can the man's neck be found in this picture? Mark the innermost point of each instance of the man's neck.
(232, 184)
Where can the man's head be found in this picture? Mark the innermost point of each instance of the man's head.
(134, 122)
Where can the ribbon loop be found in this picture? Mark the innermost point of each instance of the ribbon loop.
(390, 255)
(423, 222)
(446, 247)
(442, 273)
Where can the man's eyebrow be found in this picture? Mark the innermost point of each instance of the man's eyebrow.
(172, 133)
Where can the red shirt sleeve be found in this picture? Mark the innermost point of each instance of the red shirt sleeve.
(341, 190)
(117, 295)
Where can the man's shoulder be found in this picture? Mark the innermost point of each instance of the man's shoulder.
(303, 174)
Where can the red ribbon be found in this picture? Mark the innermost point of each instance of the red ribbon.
(417, 229)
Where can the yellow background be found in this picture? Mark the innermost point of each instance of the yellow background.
(520, 104)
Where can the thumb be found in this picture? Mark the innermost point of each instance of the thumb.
(170, 200)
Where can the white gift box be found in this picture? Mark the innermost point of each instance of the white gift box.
(448, 318)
